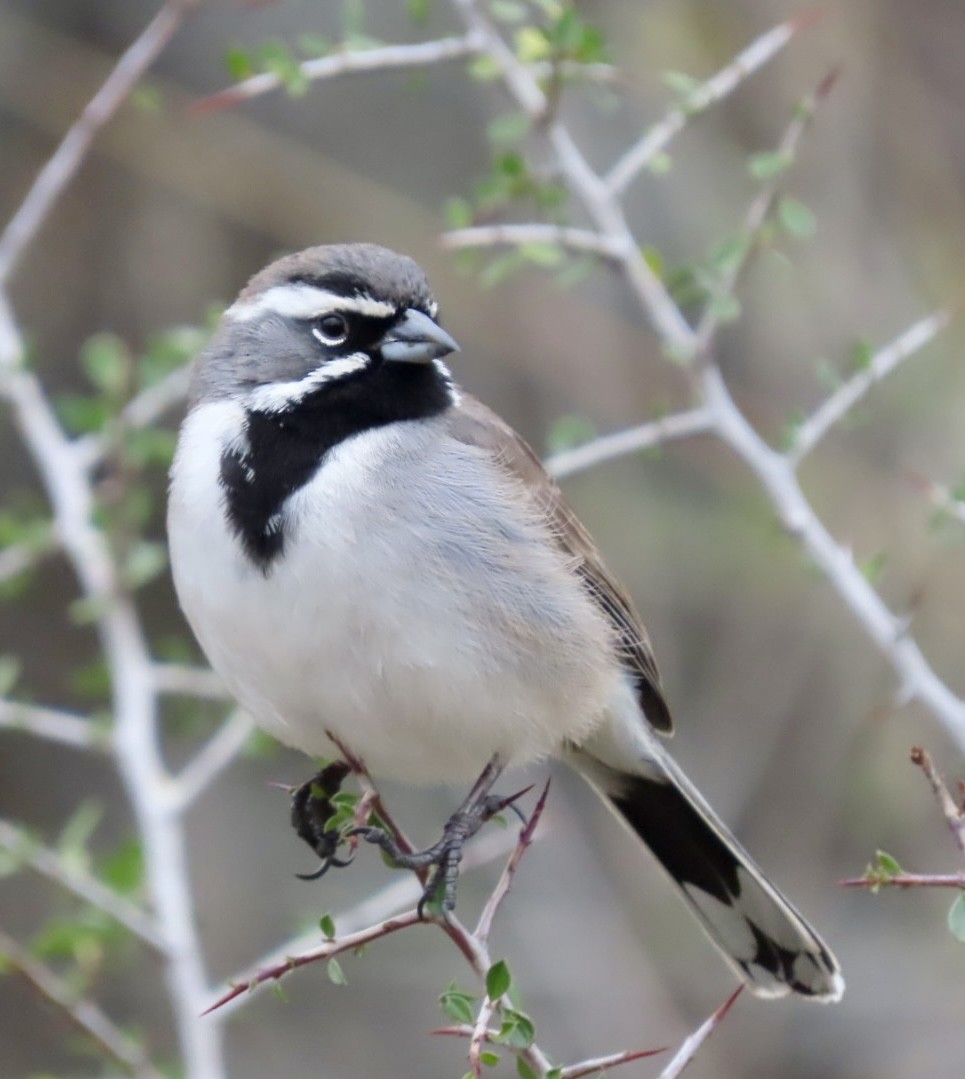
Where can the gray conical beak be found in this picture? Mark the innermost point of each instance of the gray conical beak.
(415, 338)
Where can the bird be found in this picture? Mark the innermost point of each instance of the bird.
(381, 570)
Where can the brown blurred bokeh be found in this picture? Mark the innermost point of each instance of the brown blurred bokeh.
(785, 712)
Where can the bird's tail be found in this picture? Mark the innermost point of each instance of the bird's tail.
(758, 931)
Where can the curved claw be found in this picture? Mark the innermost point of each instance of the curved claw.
(339, 863)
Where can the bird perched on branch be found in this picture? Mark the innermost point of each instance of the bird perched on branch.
(373, 560)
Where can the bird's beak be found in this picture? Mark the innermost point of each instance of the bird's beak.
(415, 338)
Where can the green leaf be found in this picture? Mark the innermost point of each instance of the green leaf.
(313, 45)
(862, 354)
(886, 863)
(543, 254)
(458, 213)
(327, 925)
(524, 1071)
(568, 431)
(144, 561)
(498, 980)
(684, 86)
(510, 127)
(873, 566)
(660, 164)
(238, 63)
(9, 673)
(500, 268)
(769, 164)
(124, 869)
(485, 68)
(73, 839)
(107, 364)
(489, 1058)
(725, 307)
(518, 1031)
(507, 10)
(457, 1004)
(532, 45)
(335, 973)
(956, 918)
(419, 10)
(797, 219)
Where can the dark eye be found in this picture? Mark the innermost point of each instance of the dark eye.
(331, 329)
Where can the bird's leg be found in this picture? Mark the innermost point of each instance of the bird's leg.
(442, 859)
(311, 807)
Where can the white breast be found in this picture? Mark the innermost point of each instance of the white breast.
(416, 612)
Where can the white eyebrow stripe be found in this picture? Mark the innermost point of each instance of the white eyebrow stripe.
(301, 300)
(277, 396)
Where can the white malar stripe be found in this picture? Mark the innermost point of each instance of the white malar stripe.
(277, 396)
(301, 300)
(454, 395)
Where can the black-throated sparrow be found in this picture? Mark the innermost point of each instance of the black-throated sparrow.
(363, 549)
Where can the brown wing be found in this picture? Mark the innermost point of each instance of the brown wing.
(473, 423)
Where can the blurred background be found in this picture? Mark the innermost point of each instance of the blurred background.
(785, 713)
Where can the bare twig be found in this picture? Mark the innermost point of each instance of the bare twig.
(607, 1063)
(347, 62)
(83, 1013)
(216, 754)
(499, 893)
(763, 49)
(758, 215)
(906, 880)
(582, 241)
(690, 1045)
(66, 160)
(835, 407)
(82, 884)
(64, 727)
(181, 681)
(954, 815)
(696, 421)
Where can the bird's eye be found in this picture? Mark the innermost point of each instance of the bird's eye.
(331, 329)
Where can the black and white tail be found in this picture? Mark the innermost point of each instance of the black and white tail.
(758, 931)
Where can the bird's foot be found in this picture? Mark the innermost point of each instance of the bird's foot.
(312, 807)
(441, 861)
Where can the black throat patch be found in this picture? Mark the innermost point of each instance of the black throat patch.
(282, 450)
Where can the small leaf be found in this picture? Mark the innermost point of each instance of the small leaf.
(278, 991)
(768, 164)
(684, 86)
(542, 254)
(956, 918)
(568, 431)
(524, 1071)
(107, 363)
(489, 1058)
(725, 307)
(507, 10)
(458, 213)
(313, 45)
(327, 925)
(457, 1004)
(886, 863)
(532, 45)
(510, 127)
(660, 164)
(9, 673)
(498, 980)
(485, 68)
(797, 219)
(143, 563)
(862, 354)
(335, 973)
(238, 63)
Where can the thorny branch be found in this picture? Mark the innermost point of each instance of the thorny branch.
(65, 466)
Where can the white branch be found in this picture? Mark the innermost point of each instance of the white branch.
(179, 680)
(582, 241)
(217, 753)
(776, 474)
(691, 1044)
(656, 140)
(57, 726)
(61, 167)
(84, 1013)
(834, 408)
(66, 480)
(345, 62)
(86, 887)
(696, 421)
